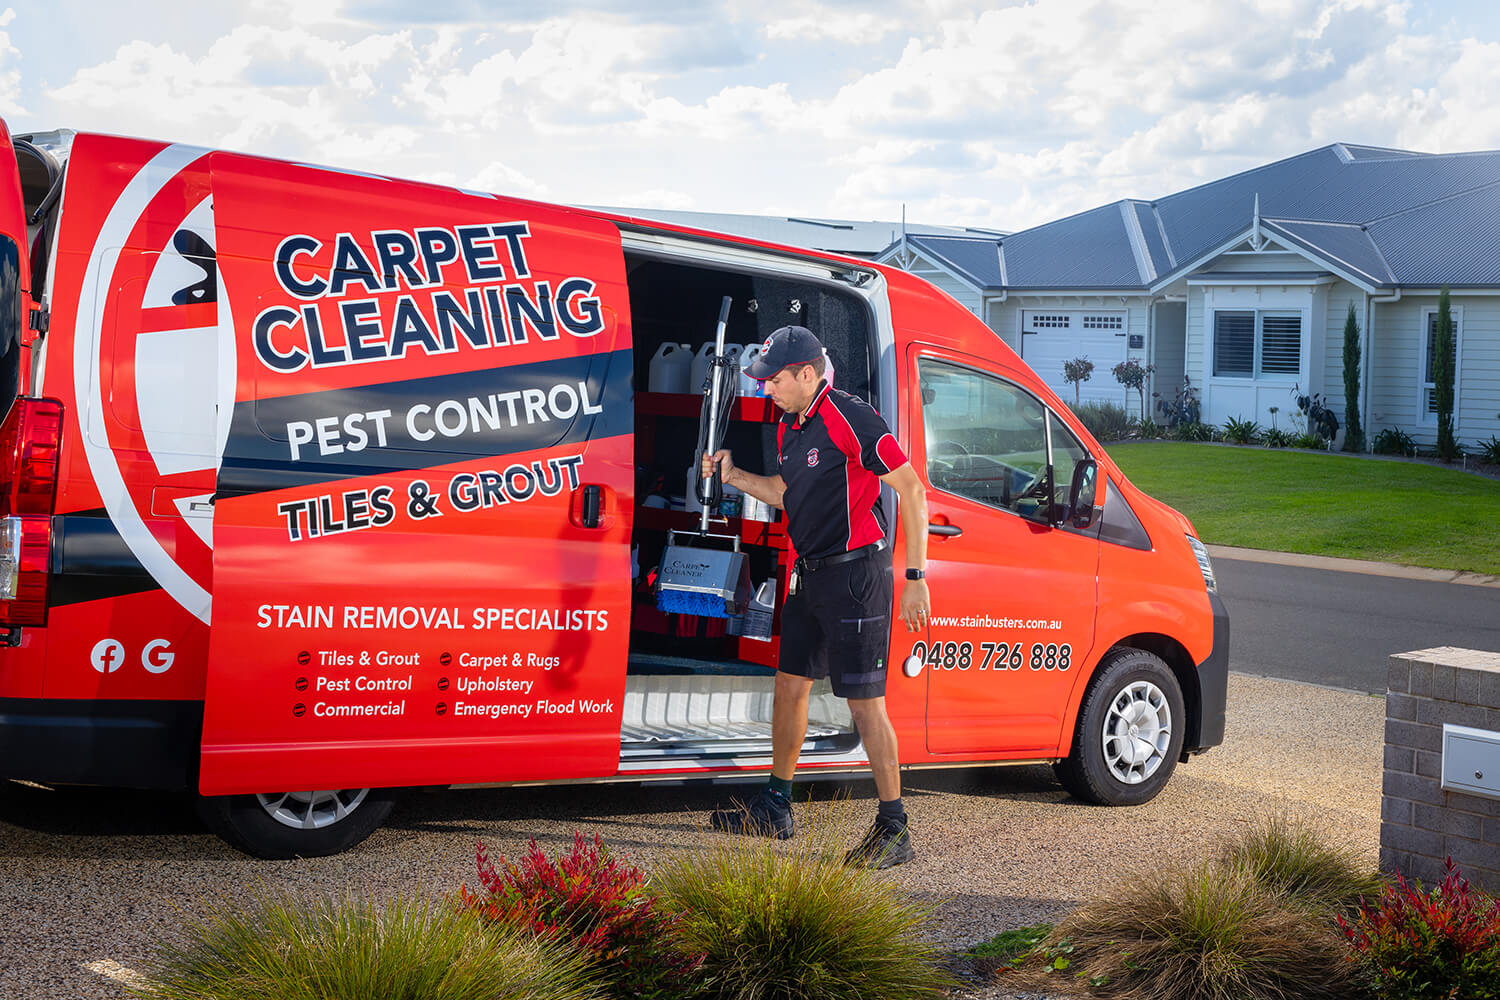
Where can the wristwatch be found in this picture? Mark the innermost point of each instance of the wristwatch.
(916, 574)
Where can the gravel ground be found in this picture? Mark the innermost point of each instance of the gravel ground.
(90, 879)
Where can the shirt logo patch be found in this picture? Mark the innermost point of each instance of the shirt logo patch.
(812, 457)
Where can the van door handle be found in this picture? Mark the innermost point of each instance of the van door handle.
(591, 503)
(946, 530)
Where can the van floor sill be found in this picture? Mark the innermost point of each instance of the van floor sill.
(831, 741)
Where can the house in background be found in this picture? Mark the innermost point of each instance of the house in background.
(1242, 286)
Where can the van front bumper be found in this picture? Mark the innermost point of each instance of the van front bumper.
(1213, 684)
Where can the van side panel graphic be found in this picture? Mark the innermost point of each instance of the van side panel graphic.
(281, 441)
(404, 590)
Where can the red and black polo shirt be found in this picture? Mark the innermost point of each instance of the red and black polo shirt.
(830, 464)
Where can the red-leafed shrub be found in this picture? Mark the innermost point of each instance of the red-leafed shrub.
(1440, 944)
(599, 903)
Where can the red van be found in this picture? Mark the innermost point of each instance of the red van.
(320, 484)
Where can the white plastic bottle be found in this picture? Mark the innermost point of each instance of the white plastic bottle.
(670, 368)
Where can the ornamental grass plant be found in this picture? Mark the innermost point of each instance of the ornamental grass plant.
(1208, 932)
(285, 948)
(1289, 857)
(1256, 922)
(788, 920)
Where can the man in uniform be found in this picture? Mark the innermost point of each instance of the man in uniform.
(834, 452)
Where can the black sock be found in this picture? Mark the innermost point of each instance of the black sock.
(781, 789)
(893, 812)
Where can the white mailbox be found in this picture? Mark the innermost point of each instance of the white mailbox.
(1471, 761)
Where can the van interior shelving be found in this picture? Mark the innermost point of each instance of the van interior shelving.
(694, 686)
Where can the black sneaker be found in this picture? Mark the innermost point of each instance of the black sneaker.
(764, 816)
(885, 846)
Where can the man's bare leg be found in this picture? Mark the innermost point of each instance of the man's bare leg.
(879, 738)
(788, 722)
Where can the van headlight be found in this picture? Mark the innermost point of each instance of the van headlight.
(1205, 566)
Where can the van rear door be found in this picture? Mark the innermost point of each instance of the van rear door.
(1013, 597)
(421, 529)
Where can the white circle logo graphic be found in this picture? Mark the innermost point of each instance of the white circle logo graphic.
(166, 390)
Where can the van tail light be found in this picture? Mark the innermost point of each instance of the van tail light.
(30, 447)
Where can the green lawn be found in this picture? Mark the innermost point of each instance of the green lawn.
(1330, 505)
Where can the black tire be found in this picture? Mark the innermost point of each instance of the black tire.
(330, 821)
(1124, 770)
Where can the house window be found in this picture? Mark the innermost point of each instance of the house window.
(1428, 408)
(1103, 322)
(1234, 344)
(1250, 344)
(1059, 321)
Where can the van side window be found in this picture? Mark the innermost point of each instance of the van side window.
(12, 321)
(987, 439)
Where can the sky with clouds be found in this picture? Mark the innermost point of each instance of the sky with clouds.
(996, 115)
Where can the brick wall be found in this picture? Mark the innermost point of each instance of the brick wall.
(1421, 824)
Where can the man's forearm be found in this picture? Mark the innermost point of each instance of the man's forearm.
(767, 489)
(914, 523)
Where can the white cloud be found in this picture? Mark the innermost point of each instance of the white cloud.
(1006, 115)
(10, 73)
(861, 27)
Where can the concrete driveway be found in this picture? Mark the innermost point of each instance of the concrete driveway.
(90, 880)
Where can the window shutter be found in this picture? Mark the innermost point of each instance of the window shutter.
(1281, 345)
(1234, 343)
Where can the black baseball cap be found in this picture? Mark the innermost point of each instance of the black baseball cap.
(790, 345)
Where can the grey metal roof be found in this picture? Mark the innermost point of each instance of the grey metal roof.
(858, 239)
(977, 259)
(1386, 217)
(1091, 250)
(1152, 232)
(1338, 243)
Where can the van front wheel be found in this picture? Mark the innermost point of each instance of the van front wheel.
(1129, 732)
(284, 825)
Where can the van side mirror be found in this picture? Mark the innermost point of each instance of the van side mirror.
(1081, 493)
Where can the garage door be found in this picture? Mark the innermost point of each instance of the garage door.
(1049, 338)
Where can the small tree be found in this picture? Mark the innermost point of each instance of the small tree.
(1132, 375)
(1076, 371)
(1443, 376)
(1354, 435)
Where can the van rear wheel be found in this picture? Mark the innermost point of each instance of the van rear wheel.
(1129, 732)
(284, 825)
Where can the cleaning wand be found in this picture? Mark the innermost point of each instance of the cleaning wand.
(694, 577)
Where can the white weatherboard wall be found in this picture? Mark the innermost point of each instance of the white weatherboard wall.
(1396, 398)
(1308, 291)
(1169, 350)
(967, 295)
(1340, 296)
(1251, 398)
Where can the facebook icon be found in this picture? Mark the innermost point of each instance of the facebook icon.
(107, 656)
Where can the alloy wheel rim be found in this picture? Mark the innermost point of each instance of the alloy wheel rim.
(311, 810)
(1137, 731)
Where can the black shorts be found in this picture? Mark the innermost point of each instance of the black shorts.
(838, 625)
